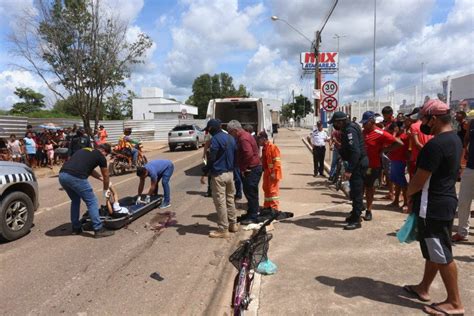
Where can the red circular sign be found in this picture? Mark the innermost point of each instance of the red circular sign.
(330, 88)
(329, 104)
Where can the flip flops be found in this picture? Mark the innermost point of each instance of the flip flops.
(436, 310)
(409, 289)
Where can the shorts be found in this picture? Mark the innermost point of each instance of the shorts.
(435, 240)
(371, 175)
(31, 156)
(386, 163)
(397, 173)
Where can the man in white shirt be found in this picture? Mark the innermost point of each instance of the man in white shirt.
(318, 141)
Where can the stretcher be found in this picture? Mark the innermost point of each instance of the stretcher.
(117, 220)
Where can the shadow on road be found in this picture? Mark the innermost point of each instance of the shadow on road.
(197, 229)
(195, 171)
(315, 223)
(201, 193)
(378, 291)
(212, 217)
(464, 258)
(65, 230)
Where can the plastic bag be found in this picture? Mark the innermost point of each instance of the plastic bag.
(267, 267)
(408, 232)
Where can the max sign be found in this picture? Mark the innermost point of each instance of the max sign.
(328, 61)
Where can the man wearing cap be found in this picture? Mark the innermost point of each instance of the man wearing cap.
(353, 151)
(466, 192)
(417, 140)
(220, 166)
(432, 196)
(248, 160)
(271, 163)
(376, 141)
(158, 170)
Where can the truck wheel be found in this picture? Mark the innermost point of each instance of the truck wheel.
(172, 147)
(16, 215)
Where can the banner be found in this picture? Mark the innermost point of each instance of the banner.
(328, 62)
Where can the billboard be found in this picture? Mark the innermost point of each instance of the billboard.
(328, 62)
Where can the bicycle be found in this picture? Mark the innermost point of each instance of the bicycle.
(246, 259)
(339, 174)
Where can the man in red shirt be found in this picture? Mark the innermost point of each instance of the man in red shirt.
(376, 142)
(248, 161)
(417, 140)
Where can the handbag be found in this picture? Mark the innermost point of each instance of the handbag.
(409, 231)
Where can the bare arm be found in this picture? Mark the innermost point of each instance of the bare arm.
(141, 185)
(397, 143)
(96, 175)
(153, 186)
(418, 181)
(105, 177)
(416, 141)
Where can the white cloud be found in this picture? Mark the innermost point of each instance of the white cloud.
(127, 10)
(208, 32)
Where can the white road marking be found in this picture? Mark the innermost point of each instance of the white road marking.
(42, 210)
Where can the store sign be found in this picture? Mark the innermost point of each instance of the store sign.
(328, 61)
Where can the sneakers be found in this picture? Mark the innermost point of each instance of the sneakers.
(237, 197)
(233, 227)
(248, 221)
(103, 233)
(164, 205)
(368, 216)
(457, 238)
(76, 231)
(353, 225)
(219, 234)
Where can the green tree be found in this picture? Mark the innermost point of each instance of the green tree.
(84, 46)
(286, 111)
(216, 86)
(202, 93)
(242, 91)
(127, 106)
(303, 106)
(67, 106)
(31, 101)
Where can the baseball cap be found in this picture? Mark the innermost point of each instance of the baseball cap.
(434, 107)
(338, 116)
(212, 123)
(413, 112)
(378, 119)
(470, 114)
(367, 116)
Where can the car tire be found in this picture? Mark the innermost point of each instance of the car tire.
(196, 145)
(14, 221)
(172, 147)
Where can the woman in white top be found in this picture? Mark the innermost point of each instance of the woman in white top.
(14, 147)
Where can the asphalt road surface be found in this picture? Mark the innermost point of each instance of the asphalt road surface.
(136, 271)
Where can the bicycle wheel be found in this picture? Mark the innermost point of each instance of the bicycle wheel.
(240, 292)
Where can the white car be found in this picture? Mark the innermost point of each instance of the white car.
(185, 135)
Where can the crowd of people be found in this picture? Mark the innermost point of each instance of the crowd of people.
(423, 147)
(49, 146)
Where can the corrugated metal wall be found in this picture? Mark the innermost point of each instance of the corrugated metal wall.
(13, 125)
(60, 122)
(143, 130)
(114, 130)
(162, 127)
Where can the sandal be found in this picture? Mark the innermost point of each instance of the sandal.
(436, 310)
(409, 289)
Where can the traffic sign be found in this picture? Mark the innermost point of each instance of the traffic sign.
(329, 88)
(329, 103)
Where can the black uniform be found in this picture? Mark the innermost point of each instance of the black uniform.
(353, 151)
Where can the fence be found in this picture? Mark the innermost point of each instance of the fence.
(12, 125)
(405, 99)
(145, 130)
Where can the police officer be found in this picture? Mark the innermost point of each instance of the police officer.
(353, 151)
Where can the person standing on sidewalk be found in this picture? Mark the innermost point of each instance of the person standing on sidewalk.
(220, 166)
(353, 151)
(335, 143)
(417, 140)
(73, 179)
(432, 196)
(248, 160)
(466, 193)
(318, 142)
(376, 141)
(271, 162)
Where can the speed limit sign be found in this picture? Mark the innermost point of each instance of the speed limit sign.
(329, 88)
(329, 104)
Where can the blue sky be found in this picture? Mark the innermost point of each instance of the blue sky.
(196, 36)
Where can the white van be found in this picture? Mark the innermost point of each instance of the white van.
(248, 111)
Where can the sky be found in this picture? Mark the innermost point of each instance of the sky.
(193, 37)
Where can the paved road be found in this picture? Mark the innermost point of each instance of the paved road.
(51, 272)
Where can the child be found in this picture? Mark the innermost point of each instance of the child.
(14, 147)
(49, 150)
(398, 158)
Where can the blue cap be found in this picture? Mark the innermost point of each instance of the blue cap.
(213, 123)
(367, 116)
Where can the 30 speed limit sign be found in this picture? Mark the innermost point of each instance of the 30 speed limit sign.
(329, 104)
(329, 88)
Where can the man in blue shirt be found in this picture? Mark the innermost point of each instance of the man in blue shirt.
(157, 170)
(221, 166)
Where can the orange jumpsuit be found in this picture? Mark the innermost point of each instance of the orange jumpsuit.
(271, 162)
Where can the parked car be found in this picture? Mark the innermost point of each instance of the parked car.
(18, 199)
(185, 135)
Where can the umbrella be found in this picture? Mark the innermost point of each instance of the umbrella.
(50, 126)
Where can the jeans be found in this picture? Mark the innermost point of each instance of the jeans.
(77, 189)
(165, 182)
(238, 182)
(318, 159)
(335, 156)
(250, 183)
(134, 155)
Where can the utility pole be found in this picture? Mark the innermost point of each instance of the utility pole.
(317, 76)
(336, 36)
(422, 73)
(294, 105)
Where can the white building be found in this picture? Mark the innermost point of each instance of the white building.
(153, 105)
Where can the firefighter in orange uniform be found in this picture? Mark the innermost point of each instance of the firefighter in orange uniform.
(271, 162)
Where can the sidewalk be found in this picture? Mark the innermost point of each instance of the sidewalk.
(148, 147)
(325, 270)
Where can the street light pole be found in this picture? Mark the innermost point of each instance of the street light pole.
(336, 36)
(422, 73)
